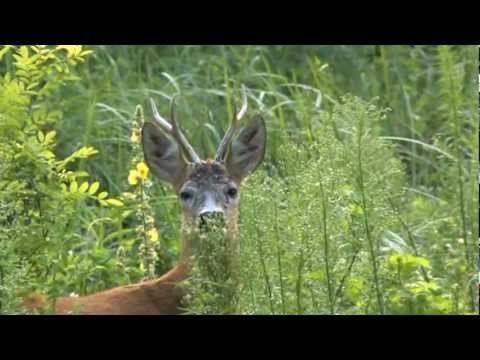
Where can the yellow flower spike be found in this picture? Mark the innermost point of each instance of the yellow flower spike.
(142, 170)
(133, 176)
(135, 137)
(152, 235)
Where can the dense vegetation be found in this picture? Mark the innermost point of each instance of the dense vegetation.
(367, 201)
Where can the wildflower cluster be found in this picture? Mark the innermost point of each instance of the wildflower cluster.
(139, 199)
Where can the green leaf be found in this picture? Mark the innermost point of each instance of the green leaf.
(395, 259)
(47, 154)
(50, 136)
(353, 287)
(316, 275)
(4, 51)
(73, 186)
(72, 50)
(83, 188)
(32, 85)
(102, 195)
(114, 202)
(86, 52)
(425, 145)
(406, 259)
(23, 51)
(85, 151)
(93, 188)
(420, 261)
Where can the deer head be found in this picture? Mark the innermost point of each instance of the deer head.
(207, 189)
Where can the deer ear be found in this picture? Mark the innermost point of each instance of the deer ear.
(163, 155)
(247, 149)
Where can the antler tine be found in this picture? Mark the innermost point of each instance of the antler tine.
(174, 130)
(222, 148)
(244, 107)
(179, 135)
(164, 124)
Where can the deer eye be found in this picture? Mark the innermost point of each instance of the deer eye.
(186, 195)
(232, 192)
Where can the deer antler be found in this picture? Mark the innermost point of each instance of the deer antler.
(222, 148)
(174, 130)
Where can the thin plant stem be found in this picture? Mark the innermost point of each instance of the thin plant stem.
(279, 260)
(371, 247)
(264, 267)
(326, 244)
(460, 178)
(411, 240)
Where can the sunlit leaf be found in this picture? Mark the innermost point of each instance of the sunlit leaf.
(114, 202)
(102, 195)
(83, 188)
(93, 188)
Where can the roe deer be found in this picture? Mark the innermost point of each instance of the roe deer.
(206, 189)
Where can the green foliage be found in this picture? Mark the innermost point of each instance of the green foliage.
(362, 206)
(324, 218)
(212, 285)
(39, 193)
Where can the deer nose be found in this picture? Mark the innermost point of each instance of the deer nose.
(209, 207)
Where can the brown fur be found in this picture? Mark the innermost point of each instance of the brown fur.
(209, 171)
(154, 297)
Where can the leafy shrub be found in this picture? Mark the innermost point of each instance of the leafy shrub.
(324, 219)
(39, 193)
